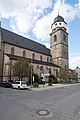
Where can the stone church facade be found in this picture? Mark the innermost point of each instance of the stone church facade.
(43, 60)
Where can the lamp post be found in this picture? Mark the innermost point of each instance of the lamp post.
(31, 71)
(10, 68)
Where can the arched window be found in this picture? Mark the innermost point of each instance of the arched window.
(55, 38)
(47, 59)
(12, 51)
(64, 37)
(41, 57)
(42, 68)
(24, 53)
(33, 56)
(50, 60)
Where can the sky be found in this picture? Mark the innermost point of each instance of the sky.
(33, 19)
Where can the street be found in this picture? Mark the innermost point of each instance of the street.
(61, 103)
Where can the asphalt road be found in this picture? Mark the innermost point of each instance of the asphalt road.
(53, 104)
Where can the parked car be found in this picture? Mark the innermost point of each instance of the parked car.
(19, 85)
(5, 84)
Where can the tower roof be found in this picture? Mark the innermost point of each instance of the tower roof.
(59, 19)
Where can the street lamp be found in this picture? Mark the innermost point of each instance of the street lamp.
(10, 67)
(31, 71)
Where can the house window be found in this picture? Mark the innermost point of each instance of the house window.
(55, 38)
(41, 57)
(33, 56)
(59, 23)
(12, 51)
(24, 53)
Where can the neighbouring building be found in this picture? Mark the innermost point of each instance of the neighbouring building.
(78, 73)
(44, 60)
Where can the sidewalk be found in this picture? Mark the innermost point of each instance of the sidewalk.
(40, 88)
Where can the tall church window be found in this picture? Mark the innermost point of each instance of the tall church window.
(12, 51)
(50, 60)
(47, 59)
(24, 53)
(55, 38)
(41, 57)
(33, 56)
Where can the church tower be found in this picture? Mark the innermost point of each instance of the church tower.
(59, 42)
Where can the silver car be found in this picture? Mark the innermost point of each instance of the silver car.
(19, 85)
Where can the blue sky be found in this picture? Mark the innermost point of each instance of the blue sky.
(33, 19)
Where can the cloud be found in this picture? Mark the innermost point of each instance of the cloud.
(74, 60)
(29, 15)
(23, 13)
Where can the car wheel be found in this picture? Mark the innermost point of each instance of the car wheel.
(18, 87)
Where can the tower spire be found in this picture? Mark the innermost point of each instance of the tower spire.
(58, 12)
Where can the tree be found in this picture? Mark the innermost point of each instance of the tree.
(63, 74)
(53, 79)
(73, 76)
(21, 68)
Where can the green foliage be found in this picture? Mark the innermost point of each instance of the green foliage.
(35, 85)
(73, 75)
(40, 80)
(53, 79)
(37, 79)
(21, 68)
(63, 74)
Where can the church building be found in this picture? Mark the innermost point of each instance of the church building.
(44, 61)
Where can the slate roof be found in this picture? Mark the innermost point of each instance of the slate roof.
(17, 40)
(59, 19)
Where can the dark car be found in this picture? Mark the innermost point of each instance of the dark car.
(5, 84)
